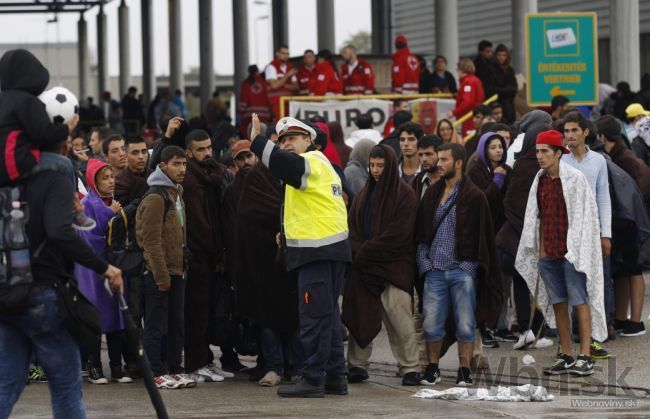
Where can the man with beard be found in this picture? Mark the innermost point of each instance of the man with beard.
(131, 183)
(456, 254)
(202, 187)
(428, 157)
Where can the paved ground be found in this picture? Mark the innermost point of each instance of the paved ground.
(621, 383)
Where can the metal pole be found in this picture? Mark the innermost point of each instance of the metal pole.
(101, 54)
(240, 26)
(82, 53)
(381, 27)
(447, 30)
(175, 46)
(519, 10)
(148, 77)
(125, 47)
(206, 55)
(624, 43)
(325, 24)
(280, 23)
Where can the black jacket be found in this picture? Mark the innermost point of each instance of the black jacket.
(49, 198)
(22, 79)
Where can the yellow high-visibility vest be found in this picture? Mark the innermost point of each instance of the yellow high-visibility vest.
(315, 215)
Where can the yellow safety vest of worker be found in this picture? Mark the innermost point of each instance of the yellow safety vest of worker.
(315, 215)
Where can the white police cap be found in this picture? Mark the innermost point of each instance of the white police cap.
(289, 125)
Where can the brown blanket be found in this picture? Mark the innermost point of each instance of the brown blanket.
(385, 254)
(474, 242)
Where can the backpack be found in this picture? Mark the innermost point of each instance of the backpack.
(15, 283)
(121, 246)
(19, 157)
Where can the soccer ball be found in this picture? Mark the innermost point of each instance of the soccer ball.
(60, 104)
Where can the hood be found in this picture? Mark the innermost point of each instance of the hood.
(390, 178)
(21, 70)
(645, 82)
(530, 136)
(93, 167)
(534, 118)
(361, 151)
(336, 132)
(481, 150)
(160, 178)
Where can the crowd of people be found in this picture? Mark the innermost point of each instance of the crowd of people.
(250, 234)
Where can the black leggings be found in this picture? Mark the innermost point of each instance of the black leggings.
(114, 341)
(521, 294)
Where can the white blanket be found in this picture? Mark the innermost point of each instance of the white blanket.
(583, 245)
(525, 393)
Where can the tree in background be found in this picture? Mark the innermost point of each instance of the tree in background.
(361, 40)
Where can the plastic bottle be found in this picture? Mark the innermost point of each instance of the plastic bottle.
(16, 240)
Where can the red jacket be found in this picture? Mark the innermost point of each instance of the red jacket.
(305, 79)
(253, 99)
(361, 81)
(274, 94)
(470, 95)
(406, 72)
(326, 80)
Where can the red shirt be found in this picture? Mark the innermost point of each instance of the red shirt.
(553, 215)
(470, 95)
(406, 72)
(359, 81)
(326, 80)
(305, 79)
(253, 99)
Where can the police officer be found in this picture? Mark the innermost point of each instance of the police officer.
(315, 237)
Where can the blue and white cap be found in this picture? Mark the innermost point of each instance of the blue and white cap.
(289, 125)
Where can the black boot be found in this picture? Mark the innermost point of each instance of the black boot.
(357, 375)
(302, 388)
(336, 384)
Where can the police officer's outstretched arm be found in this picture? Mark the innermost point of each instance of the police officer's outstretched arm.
(289, 167)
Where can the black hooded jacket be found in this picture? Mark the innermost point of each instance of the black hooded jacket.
(22, 79)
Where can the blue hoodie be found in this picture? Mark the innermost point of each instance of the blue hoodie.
(481, 152)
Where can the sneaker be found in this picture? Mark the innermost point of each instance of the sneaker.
(357, 375)
(270, 379)
(597, 351)
(37, 374)
(132, 370)
(302, 388)
(431, 375)
(543, 343)
(184, 380)
(488, 339)
(525, 339)
(118, 376)
(208, 375)
(633, 329)
(166, 382)
(464, 377)
(619, 325)
(96, 376)
(219, 371)
(504, 335)
(82, 223)
(411, 379)
(583, 366)
(563, 364)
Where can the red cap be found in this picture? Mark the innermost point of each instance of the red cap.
(552, 138)
(400, 41)
(240, 146)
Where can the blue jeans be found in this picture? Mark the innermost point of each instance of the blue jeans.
(441, 288)
(38, 331)
(279, 346)
(563, 283)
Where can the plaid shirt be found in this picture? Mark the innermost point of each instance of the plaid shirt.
(553, 215)
(440, 255)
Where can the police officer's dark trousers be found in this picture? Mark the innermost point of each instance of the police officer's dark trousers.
(319, 285)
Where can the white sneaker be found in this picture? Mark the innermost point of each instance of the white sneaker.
(184, 380)
(208, 374)
(166, 382)
(271, 379)
(525, 339)
(198, 378)
(218, 371)
(543, 343)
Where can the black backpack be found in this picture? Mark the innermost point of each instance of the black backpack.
(15, 285)
(121, 246)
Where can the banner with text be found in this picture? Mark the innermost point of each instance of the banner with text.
(426, 112)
